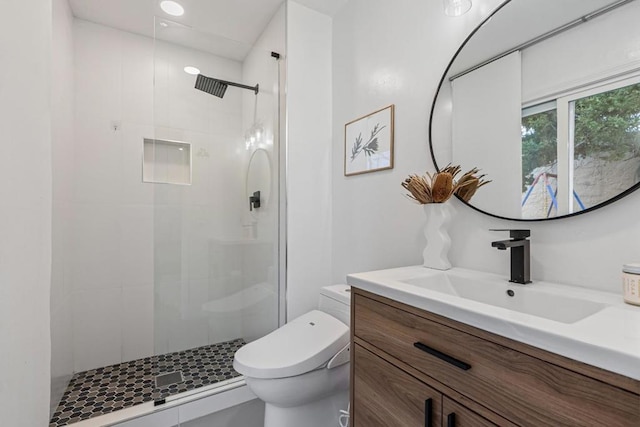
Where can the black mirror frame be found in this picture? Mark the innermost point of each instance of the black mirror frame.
(435, 163)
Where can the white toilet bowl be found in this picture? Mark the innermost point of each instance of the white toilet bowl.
(301, 370)
(305, 400)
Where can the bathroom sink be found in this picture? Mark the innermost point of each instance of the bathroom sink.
(528, 299)
(591, 326)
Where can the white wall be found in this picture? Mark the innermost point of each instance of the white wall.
(62, 166)
(309, 160)
(25, 212)
(374, 226)
(386, 55)
(110, 255)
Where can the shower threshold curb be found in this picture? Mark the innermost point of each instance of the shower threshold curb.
(237, 385)
(113, 388)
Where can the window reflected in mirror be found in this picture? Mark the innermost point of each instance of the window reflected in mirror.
(600, 136)
(606, 144)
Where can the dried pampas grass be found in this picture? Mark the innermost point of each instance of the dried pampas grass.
(439, 187)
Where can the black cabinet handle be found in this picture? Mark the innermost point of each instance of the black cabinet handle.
(451, 360)
(451, 420)
(428, 412)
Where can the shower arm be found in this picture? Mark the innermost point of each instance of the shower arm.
(255, 88)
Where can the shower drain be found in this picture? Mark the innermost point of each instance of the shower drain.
(164, 380)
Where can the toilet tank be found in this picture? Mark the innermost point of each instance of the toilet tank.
(336, 301)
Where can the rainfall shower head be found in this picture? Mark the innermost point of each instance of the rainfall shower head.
(212, 86)
(217, 87)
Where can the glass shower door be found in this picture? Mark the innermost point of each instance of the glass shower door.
(213, 161)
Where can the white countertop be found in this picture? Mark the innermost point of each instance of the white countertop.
(608, 339)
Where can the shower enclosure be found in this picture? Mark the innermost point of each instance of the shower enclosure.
(216, 247)
(191, 169)
(215, 251)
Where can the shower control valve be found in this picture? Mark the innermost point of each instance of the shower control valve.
(254, 201)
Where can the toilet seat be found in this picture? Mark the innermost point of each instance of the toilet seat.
(298, 347)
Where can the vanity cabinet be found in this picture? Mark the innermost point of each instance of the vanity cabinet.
(388, 396)
(456, 415)
(405, 356)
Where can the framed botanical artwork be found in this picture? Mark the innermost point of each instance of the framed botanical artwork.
(368, 142)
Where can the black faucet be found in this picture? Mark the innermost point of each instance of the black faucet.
(520, 254)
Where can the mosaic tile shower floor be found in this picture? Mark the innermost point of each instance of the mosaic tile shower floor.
(109, 389)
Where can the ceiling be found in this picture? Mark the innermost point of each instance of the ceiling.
(227, 28)
(223, 27)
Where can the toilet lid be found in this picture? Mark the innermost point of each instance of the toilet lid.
(300, 346)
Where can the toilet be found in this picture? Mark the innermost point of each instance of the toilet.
(301, 370)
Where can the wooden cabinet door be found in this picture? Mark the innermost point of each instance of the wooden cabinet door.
(521, 388)
(385, 396)
(456, 415)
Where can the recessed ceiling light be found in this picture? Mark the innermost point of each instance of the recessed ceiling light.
(191, 70)
(172, 8)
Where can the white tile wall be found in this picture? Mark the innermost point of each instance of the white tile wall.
(137, 80)
(178, 105)
(61, 348)
(134, 191)
(62, 143)
(186, 332)
(95, 254)
(98, 176)
(97, 328)
(198, 294)
(137, 322)
(135, 264)
(98, 65)
(60, 284)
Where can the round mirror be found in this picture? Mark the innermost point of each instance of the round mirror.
(544, 98)
(259, 176)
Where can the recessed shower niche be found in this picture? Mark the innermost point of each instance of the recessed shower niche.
(166, 162)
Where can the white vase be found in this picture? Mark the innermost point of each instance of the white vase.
(436, 231)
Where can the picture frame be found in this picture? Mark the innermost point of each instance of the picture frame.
(368, 142)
